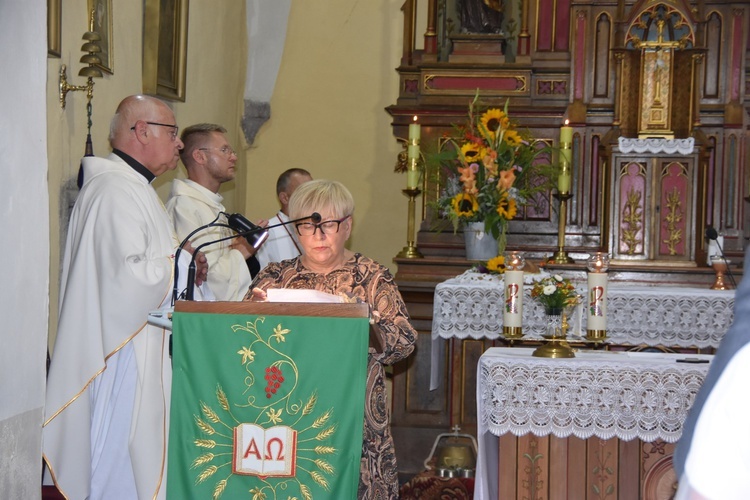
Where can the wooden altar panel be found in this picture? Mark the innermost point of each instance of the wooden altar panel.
(552, 468)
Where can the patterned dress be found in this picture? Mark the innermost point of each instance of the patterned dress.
(372, 283)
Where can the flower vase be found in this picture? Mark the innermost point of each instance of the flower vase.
(555, 345)
(479, 244)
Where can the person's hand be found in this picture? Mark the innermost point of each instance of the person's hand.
(246, 249)
(201, 264)
(256, 295)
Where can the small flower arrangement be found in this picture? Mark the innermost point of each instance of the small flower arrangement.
(555, 292)
(495, 265)
(491, 170)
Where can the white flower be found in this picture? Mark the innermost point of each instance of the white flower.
(549, 289)
(558, 277)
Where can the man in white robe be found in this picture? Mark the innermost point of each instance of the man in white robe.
(108, 389)
(282, 241)
(194, 202)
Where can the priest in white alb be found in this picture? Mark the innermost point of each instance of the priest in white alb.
(108, 389)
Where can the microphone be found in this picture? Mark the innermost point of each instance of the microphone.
(713, 235)
(175, 292)
(314, 217)
(255, 234)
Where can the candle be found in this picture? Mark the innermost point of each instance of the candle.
(513, 308)
(564, 179)
(596, 320)
(415, 131)
(412, 153)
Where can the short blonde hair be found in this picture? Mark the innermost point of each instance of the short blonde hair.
(321, 195)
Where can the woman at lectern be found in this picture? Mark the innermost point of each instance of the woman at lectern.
(326, 265)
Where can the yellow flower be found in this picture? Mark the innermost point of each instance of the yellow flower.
(471, 152)
(507, 178)
(506, 207)
(464, 205)
(496, 264)
(512, 138)
(492, 120)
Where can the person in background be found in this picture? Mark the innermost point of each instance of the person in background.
(326, 265)
(109, 382)
(282, 241)
(194, 202)
(712, 458)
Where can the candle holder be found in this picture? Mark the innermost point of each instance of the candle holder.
(561, 256)
(410, 250)
(720, 265)
(556, 345)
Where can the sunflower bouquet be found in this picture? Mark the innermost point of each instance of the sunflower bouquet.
(490, 170)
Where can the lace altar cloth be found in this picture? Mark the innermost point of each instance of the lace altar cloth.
(627, 395)
(471, 306)
(655, 146)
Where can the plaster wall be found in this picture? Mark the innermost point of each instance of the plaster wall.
(24, 223)
(336, 77)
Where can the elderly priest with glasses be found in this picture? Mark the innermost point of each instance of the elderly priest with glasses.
(108, 388)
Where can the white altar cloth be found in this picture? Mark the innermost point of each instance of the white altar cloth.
(471, 306)
(627, 395)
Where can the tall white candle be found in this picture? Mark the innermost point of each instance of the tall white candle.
(513, 309)
(597, 302)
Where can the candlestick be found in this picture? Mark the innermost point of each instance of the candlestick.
(513, 309)
(596, 320)
(410, 250)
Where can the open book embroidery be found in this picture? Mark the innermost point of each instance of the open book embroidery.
(264, 452)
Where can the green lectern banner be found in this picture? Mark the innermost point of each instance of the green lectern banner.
(266, 407)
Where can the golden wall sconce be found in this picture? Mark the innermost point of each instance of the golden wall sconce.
(90, 71)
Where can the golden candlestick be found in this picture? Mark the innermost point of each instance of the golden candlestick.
(410, 250)
(561, 256)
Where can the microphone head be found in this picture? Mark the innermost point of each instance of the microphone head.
(711, 233)
(315, 217)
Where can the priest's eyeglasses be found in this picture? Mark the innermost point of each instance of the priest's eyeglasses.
(225, 150)
(326, 227)
(172, 133)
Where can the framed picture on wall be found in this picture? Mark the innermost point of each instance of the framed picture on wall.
(165, 25)
(54, 15)
(101, 10)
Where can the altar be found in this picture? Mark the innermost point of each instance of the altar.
(603, 423)
(469, 306)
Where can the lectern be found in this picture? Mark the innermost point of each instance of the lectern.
(267, 399)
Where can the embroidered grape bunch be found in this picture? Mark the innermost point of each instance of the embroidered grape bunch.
(274, 378)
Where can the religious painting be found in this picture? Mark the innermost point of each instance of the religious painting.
(54, 15)
(165, 48)
(100, 19)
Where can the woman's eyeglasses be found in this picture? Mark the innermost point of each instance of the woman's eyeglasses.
(326, 227)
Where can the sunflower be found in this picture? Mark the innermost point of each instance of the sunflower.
(506, 207)
(471, 152)
(512, 138)
(496, 264)
(492, 120)
(464, 205)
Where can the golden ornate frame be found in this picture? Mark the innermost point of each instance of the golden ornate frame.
(165, 24)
